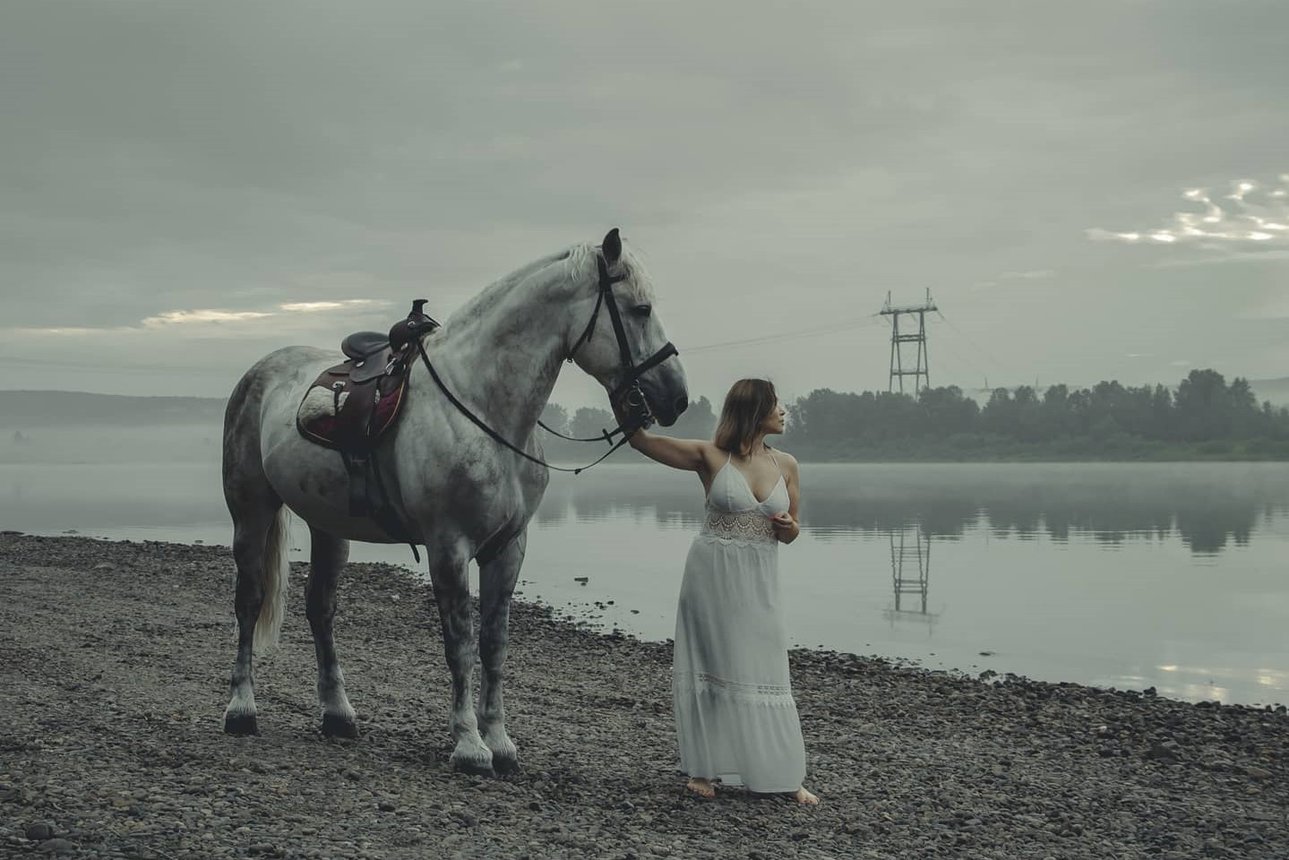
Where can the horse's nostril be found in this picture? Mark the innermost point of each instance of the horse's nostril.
(682, 403)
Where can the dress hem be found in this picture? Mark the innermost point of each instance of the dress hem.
(733, 780)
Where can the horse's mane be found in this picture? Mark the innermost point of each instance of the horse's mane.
(637, 288)
(578, 262)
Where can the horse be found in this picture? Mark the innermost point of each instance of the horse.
(464, 472)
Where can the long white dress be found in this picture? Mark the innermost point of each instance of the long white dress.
(736, 720)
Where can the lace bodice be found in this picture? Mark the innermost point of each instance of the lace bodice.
(733, 512)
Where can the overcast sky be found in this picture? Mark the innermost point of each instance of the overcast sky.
(1090, 190)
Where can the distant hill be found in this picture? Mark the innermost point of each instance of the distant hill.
(20, 409)
(1275, 390)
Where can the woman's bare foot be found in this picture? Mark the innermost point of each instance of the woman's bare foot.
(804, 797)
(701, 787)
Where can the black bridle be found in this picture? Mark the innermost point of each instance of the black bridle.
(628, 390)
(631, 372)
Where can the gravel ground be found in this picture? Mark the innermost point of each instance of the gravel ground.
(114, 661)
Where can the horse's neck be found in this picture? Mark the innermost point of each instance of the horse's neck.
(504, 357)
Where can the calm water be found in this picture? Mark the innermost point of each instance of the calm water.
(1164, 575)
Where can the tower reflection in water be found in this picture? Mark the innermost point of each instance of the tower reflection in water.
(910, 575)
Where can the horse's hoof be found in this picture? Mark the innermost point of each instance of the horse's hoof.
(473, 765)
(338, 727)
(241, 724)
(473, 768)
(505, 765)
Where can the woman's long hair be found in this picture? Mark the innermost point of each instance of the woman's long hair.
(747, 405)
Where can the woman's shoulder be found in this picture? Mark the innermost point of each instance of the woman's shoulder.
(785, 458)
(786, 462)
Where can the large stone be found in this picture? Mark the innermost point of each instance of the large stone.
(40, 831)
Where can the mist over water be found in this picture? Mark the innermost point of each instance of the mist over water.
(1169, 575)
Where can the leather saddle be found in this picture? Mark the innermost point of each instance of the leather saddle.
(352, 405)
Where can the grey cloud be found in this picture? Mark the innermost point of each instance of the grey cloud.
(165, 157)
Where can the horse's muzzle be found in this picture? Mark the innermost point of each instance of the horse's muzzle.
(666, 407)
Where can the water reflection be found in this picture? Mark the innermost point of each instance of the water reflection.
(1125, 575)
(910, 575)
(1165, 575)
(1208, 506)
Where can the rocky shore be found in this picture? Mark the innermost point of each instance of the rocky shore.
(114, 661)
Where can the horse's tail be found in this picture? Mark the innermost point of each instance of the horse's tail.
(276, 573)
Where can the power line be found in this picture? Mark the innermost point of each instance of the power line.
(945, 342)
(790, 335)
(973, 344)
(848, 325)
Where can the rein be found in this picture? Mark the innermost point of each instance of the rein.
(640, 413)
(497, 437)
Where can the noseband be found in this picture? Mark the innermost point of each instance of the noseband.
(631, 372)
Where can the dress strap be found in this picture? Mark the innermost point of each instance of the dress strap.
(772, 457)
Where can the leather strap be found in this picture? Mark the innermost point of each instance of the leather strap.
(497, 437)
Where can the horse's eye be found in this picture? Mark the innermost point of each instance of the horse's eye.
(642, 311)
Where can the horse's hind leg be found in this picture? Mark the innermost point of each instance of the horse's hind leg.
(259, 539)
(259, 548)
(448, 572)
(497, 579)
(329, 555)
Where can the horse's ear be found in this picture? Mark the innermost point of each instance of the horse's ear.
(612, 246)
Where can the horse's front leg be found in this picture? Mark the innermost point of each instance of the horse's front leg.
(327, 560)
(497, 579)
(448, 572)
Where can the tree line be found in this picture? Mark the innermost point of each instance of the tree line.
(1203, 417)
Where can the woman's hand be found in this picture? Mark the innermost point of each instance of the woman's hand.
(639, 418)
(786, 529)
(688, 454)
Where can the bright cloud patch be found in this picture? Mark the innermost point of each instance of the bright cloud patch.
(67, 331)
(312, 307)
(1249, 216)
(207, 316)
(204, 315)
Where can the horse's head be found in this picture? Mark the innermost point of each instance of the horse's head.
(624, 345)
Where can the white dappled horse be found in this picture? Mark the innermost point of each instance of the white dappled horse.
(460, 492)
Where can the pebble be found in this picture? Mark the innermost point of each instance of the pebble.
(40, 831)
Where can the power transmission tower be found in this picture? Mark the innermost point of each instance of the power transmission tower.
(921, 371)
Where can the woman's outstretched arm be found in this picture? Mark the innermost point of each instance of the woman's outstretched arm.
(689, 454)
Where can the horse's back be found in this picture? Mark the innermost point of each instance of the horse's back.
(443, 469)
(277, 379)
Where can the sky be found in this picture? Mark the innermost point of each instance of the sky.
(1093, 190)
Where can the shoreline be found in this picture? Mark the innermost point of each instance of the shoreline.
(115, 665)
(606, 617)
(608, 613)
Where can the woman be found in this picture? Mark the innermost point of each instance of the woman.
(735, 716)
